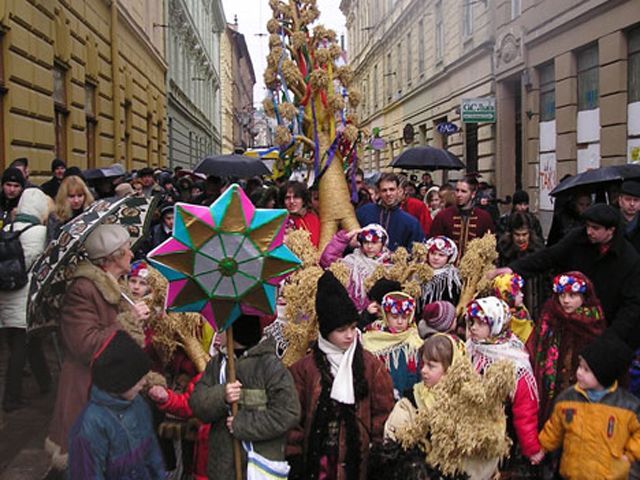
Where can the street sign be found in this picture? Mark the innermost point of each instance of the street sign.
(478, 110)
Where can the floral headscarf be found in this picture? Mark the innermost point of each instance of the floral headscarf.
(373, 233)
(398, 303)
(571, 282)
(139, 268)
(492, 311)
(507, 286)
(445, 245)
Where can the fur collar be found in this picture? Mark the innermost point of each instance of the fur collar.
(104, 282)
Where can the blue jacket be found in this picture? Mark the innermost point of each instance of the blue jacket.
(113, 438)
(403, 229)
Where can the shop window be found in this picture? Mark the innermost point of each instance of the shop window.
(633, 67)
(588, 78)
(547, 92)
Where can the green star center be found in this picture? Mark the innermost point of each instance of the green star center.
(228, 267)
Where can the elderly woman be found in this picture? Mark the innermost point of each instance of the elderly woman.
(88, 318)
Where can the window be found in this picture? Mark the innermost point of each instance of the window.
(60, 111)
(399, 67)
(516, 9)
(409, 59)
(471, 146)
(149, 139)
(588, 78)
(421, 47)
(439, 31)
(547, 92)
(467, 18)
(634, 66)
(90, 122)
(375, 86)
(128, 137)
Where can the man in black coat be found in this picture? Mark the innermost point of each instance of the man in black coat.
(629, 201)
(600, 251)
(51, 187)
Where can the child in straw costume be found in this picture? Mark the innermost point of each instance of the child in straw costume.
(454, 416)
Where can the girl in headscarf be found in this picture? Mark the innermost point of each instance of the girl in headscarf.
(371, 252)
(509, 287)
(570, 320)
(445, 283)
(395, 340)
(490, 340)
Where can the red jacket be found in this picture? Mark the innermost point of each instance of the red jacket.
(524, 408)
(419, 210)
(309, 222)
(462, 228)
(178, 404)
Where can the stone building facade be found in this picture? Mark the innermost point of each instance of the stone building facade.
(82, 80)
(238, 81)
(569, 73)
(414, 60)
(193, 83)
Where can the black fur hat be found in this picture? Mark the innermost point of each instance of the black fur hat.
(119, 364)
(333, 305)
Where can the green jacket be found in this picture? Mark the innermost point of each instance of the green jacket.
(268, 408)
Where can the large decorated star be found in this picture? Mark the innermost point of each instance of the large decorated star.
(225, 259)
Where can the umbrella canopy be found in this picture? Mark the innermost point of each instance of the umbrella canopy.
(233, 165)
(598, 177)
(225, 259)
(56, 264)
(427, 158)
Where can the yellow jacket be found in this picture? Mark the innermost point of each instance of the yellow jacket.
(594, 436)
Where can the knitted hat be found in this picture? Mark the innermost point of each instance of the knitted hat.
(602, 214)
(105, 240)
(520, 196)
(56, 163)
(437, 316)
(382, 287)
(139, 268)
(73, 170)
(119, 364)
(333, 305)
(246, 330)
(608, 358)
(630, 187)
(12, 174)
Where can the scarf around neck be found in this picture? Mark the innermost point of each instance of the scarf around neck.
(341, 362)
(362, 267)
(390, 345)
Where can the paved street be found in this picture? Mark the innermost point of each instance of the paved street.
(22, 432)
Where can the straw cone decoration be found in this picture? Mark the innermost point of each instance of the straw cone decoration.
(173, 330)
(478, 260)
(307, 97)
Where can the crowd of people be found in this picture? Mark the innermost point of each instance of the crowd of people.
(547, 351)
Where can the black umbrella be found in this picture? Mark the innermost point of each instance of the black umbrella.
(598, 177)
(232, 165)
(427, 158)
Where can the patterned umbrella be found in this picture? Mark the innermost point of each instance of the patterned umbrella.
(55, 266)
(225, 259)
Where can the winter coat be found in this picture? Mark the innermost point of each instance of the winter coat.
(268, 408)
(524, 411)
(114, 438)
(309, 222)
(615, 276)
(31, 211)
(632, 232)
(371, 412)
(87, 319)
(178, 404)
(402, 228)
(51, 187)
(419, 211)
(594, 435)
(462, 228)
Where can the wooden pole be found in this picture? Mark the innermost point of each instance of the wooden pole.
(231, 377)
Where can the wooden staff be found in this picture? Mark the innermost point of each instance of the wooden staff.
(231, 377)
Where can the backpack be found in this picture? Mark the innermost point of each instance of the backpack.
(14, 271)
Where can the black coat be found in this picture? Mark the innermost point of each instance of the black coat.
(615, 276)
(634, 236)
(51, 187)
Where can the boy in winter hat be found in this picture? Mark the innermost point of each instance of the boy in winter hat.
(264, 391)
(595, 421)
(345, 394)
(114, 438)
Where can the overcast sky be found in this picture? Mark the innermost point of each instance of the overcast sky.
(252, 20)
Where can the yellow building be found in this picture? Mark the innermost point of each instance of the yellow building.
(84, 81)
